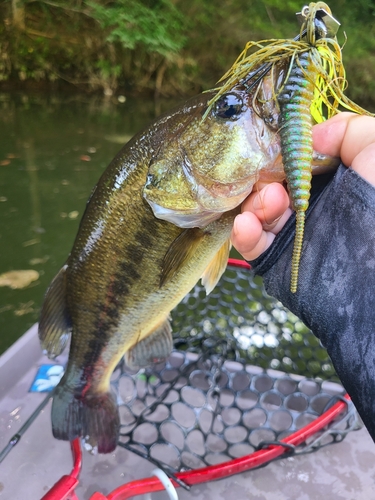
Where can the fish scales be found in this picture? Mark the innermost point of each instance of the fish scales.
(159, 218)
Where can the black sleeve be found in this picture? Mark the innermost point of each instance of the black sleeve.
(336, 287)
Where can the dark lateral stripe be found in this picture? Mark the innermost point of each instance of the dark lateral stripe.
(128, 271)
(143, 239)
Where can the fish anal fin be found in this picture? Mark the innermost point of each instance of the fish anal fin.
(93, 417)
(181, 251)
(216, 267)
(54, 324)
(154, 348)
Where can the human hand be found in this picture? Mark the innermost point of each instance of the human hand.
(264, 213)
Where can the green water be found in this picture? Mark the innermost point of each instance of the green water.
(53, 150)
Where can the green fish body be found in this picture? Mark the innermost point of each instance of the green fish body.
(159, 219)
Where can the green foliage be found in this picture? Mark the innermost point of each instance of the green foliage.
(131, 23)
(164, 46)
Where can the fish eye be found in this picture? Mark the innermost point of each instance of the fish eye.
(229, 106)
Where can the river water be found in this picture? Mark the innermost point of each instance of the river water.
(53, 149)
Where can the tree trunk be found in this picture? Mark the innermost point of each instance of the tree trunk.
(18, 12)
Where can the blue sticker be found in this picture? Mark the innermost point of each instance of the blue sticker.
(47, 378)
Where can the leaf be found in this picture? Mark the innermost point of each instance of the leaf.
(18, 279)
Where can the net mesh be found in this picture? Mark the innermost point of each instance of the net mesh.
(244, 373)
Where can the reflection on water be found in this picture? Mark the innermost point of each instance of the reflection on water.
(53, 149)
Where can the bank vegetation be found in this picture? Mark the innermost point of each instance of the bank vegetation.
(161, 47)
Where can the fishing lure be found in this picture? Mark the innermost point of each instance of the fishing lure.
(312, 91)
(295, 128)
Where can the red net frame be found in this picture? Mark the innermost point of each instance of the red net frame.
(64, 488)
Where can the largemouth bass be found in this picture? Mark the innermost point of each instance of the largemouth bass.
(128, 267)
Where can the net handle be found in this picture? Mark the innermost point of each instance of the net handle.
(235, 466)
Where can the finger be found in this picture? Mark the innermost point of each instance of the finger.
(248, 236)
(352, 138)
(364, 163)
(264, 214)
(268, 204)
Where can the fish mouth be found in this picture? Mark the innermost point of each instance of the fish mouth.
(204, 207)
(183, 219)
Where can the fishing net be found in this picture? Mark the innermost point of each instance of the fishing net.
(245, 374)
(246, 383)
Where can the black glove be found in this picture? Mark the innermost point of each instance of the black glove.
(336, 279)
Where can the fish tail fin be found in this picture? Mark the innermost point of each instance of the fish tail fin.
(93, 417)
(55, 324)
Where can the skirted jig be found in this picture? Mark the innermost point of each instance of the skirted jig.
(312, 91)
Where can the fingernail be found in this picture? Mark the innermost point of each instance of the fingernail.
(270, 225)
(258, 201)
(235, 229)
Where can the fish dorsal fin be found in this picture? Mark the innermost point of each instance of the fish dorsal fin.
(181, 251)
(155, 348)
(216, 267)
(55, 325)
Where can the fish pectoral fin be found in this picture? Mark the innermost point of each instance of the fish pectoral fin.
(216, 267)
(181, 251)
(55, 324)
(155, 348)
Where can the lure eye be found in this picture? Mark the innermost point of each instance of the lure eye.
(229, 107)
